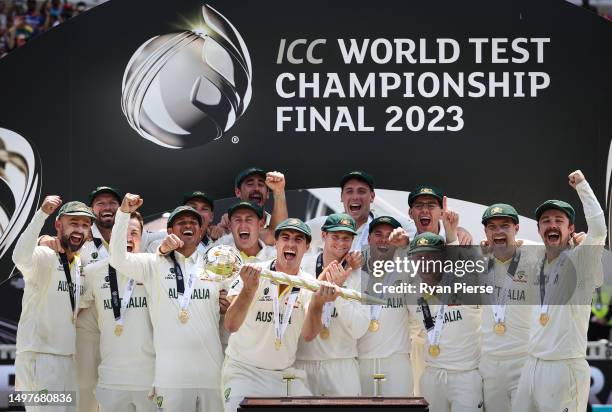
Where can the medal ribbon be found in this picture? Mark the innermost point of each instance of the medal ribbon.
(499, 307)
(280, 326)
(74, 288)
(184, 295)
(434, 328)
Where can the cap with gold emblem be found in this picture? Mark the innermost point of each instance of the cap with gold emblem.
(75, 208)
(293, 224)
(387, 220)
(246, 205)
(183, 210)
(426, 242)
(421, 190)
(559, 205)
(339, 222)
(500, 210)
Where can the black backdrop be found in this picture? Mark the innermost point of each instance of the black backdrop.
(62, 92)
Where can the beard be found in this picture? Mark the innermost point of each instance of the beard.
(67, 245)
(106, 224)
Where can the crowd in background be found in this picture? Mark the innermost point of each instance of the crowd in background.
(22, 20)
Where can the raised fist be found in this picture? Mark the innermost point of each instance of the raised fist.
(575, 177)
(275, 181)
(50, 204)
(131, 202)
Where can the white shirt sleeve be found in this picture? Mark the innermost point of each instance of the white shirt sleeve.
(27, 253)
(139, 266)
(594, 215)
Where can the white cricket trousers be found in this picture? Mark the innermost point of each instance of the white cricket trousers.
(553, 386)
(452, 391)
(43, 371)
(240, 380)
(333, 377)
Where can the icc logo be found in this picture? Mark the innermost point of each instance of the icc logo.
(186, 89)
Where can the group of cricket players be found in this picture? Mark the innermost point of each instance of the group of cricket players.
(129, 320)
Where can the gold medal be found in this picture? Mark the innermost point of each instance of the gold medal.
(118, 330)
(500, 328)
(183, 316)
(374, 325)
(434, 350)
(544, 319)
(324, 333)
(277, 344)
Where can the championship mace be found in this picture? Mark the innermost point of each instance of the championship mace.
(224, 261)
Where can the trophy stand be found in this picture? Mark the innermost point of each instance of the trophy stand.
(379, 378)
(288, 379)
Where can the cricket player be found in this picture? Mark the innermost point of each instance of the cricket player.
(184, 310)
(506, 318)
(385, 347)
(451, 381)
(254, 185)
(357, 195)
(246, 223)
(104, 202)
(204, 204)
(427, 204)
(266, 321)
(46, 331)
(127, 363)
(556, 377)
(330, 360)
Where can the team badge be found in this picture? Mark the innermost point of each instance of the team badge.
(159, 400)
(345, 222)
(496, 210)
(226, 393)
(426, 190)
(422, 242)
(266, 290)
(94, 255)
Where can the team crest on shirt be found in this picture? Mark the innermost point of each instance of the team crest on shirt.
(520, 276)
(226, 393)
(94, 255)
(171, 270)
(159, 400)
(266, 290)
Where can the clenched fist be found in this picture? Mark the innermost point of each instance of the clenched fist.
(50, 204)
(131, 203)
(275, 181)
(575, 177)
(399, 237)
(171, 242)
